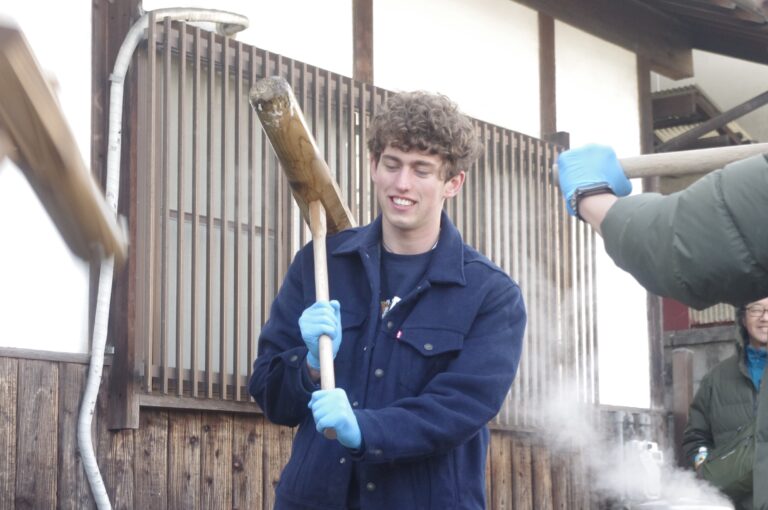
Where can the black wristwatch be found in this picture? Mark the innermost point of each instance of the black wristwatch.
(586, 191)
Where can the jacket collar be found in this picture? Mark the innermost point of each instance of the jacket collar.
(447, 265)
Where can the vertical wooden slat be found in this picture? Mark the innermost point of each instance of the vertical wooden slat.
(486, 219)
(542, 478)
(252, 309)
(181, 212)
(216, 461)
(266, 219)
(501, 472)
(277, 443)
(560, 482)
(524, 212)
(237, 333)
(36, 438)
(152, 310)
(194, 290)
(247, 462)
(282, 205)
(184, 432)
(151, 460)
(209, 244)
(8, 393)
(516, 255)
(73, 490)
(165, 207)
(495, 163)
(522, 497)
(366, 207)
(224, 259)
(354, 203)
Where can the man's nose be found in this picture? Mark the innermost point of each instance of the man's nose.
(403, 179)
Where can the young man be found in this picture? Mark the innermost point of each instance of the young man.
(426, 333)
(727, 397)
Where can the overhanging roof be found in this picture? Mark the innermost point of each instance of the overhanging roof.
(737, 28)
(665, 31)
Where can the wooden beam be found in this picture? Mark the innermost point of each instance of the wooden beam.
(47, 154)
(362, 28)
(682, 396)
(110, 22)
(630, 24)
(547, 84)
(737, 44)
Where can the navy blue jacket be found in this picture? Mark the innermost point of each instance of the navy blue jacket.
(423, 382)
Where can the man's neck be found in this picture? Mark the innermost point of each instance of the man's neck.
(396, 242)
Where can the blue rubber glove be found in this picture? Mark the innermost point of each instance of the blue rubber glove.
(331, 410)
(322, 318)
(589, 166)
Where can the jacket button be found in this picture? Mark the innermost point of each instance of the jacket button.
(370, 486)
(390, 324)
(376, 452)
(294, 357)
(355, 403)
(428, 347)
(342, 460)
(378, 373)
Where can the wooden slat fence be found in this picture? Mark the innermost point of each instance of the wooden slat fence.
(186, 460)
(217, 226)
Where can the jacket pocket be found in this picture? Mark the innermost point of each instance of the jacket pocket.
(422, 353)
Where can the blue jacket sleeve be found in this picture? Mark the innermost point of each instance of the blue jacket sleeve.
(458, 402)
(280, 382)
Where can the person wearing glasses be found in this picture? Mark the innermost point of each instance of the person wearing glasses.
(727, 398)
(704, 245)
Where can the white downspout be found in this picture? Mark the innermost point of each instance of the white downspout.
(227, 24)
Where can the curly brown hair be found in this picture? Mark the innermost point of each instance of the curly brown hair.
(425, 122)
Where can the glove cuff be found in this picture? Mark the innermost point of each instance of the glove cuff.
(312, 361)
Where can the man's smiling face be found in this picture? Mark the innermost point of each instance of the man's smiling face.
(411, 191)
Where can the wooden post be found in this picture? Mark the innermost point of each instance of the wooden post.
(682, 395)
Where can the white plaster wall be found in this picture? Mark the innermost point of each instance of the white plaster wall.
(315, 32)
(597, 102)
(482, 54)
(43, 287)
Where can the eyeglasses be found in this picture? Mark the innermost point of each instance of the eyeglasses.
(756, 310)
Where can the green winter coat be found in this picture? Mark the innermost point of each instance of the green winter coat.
(725, 401)
(704, 245)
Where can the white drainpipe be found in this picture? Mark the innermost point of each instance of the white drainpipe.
(227, 24)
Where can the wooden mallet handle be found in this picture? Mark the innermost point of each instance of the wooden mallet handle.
(676, 164)
(318, 228)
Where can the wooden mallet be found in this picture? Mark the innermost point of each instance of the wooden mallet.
(36, 136)
(312, 185)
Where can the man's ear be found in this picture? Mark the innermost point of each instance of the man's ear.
(454, 184)
(372, 164)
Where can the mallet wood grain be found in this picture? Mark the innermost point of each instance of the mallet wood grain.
(312, 185)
